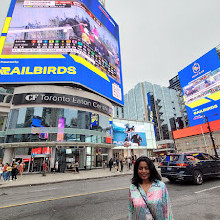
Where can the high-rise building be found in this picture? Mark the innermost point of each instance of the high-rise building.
(151, 102)
(175, 84)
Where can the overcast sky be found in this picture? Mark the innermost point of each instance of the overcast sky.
(159, 37)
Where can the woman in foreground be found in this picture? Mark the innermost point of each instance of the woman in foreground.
(148, 195)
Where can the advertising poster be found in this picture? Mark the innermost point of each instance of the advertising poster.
(46, 150)
(37, 150)
(129, 134)
(200, 82)
(37, 128)
(60, 133)
(69, 42)
(94, 121)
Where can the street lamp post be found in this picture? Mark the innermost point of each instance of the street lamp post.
(210, 133)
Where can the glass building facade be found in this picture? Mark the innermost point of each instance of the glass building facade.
(77, 125)
(68, 132)
(163, 102)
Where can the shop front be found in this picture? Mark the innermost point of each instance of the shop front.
(33, 158)
(67, 154)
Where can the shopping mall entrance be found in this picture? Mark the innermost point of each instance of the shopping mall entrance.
(33, 164)
(37, 163)
(26, 161)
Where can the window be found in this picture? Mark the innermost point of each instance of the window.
(203, 141)
(43, 117)
(173, 158)
(208, 157)
(195, 142)
(200, 157)
(187, 143)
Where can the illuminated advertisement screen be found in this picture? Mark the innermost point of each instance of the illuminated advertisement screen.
(125, 134)
(37, 150)
(60, 133)
(200, 82)
(62, 41)
(94, 120)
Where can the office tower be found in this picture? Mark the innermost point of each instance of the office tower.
(175, 84)
(151, 102)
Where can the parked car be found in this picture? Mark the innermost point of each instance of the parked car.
(190, 166)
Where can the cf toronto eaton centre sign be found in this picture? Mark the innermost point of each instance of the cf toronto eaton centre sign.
(60, 99)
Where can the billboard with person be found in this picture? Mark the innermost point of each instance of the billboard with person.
(200, 82)
(71, 42)
(129, 134)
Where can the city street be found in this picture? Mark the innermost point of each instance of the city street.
(105, 198)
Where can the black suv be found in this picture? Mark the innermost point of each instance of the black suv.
(190, 166)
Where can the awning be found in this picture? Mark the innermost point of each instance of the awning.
(54, 144)
(163, 149)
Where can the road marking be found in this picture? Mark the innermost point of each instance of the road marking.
(63, 197)
(39, 190)
(207, 189)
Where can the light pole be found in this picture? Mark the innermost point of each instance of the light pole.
(204, 139)
(210, 133)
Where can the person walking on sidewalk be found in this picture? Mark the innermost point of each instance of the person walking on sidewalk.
(122, 165)
(110, 164)
(44, 169)
(9, 169)
(76, 165)
(117, 164)
(1, 170)
(14, 171)
(21, 168)
(148, 195)
(103, 164)
(5, 172)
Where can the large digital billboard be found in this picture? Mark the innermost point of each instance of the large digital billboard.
(129, 134)
(200, 82)
(73, 41)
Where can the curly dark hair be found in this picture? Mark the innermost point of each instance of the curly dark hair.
(154, 175)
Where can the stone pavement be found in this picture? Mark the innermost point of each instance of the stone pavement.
(38, 179)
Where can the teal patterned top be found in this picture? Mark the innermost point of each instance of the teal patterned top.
(158, 202)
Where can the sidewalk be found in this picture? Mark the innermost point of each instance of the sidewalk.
(39, 179)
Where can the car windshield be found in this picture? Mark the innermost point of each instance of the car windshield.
(195, 156)
(173, 158)
(191, 158)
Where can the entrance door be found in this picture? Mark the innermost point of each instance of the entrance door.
(37, 164)
(26, 165)
(99, 160)
(26, 159)
(105, 158)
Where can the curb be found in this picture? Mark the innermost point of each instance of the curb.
(61, 181)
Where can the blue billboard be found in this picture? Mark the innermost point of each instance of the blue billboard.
(200, 82)
(70, 42)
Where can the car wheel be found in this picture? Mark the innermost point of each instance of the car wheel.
(197, 177)
(172, 180)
